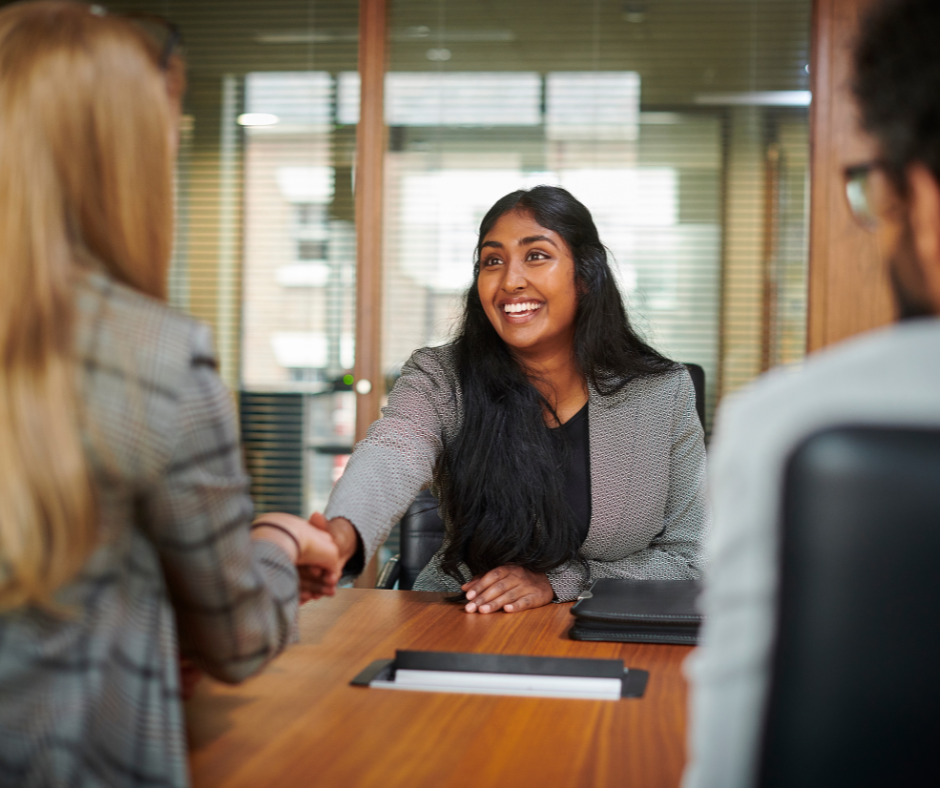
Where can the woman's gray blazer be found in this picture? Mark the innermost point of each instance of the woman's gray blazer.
(647, 455)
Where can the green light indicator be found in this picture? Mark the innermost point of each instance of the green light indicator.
(348, 380)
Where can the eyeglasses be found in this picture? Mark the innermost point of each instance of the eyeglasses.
(858, 191)
(168, 36)
(164, 33)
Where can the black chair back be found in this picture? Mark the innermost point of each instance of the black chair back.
(422, 533)
(855, 691)
(697, 373)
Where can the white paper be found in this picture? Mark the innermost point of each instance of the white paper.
(505, 684)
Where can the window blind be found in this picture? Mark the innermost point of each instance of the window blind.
(265, 249)
(681, 124)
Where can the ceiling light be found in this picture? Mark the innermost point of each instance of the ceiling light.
(758, 98)
(258, 119)
(415, 33)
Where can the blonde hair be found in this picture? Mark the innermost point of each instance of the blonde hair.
(85, 172)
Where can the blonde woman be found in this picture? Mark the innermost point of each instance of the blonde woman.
(124, 513)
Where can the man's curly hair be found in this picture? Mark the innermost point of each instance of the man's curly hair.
(897, 83)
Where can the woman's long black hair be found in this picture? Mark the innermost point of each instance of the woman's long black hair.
(502, 484)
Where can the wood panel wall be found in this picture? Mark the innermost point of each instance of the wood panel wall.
(370, 164)
(848, 285)
(371, 144)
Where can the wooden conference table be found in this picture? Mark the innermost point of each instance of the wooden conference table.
(299, 723)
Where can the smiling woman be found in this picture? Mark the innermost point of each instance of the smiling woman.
(563, 448)
(526, 283)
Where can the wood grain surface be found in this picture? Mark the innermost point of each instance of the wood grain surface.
(371, 135)
(849, 290)
(299, 723)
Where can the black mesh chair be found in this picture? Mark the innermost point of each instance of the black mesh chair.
(855, 690)
(422, 533)
(698, 382)
(422, 530)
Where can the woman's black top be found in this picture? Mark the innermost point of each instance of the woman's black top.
(577, 470)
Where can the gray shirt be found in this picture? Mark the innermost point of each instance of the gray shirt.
(647, 458)
(888, 377)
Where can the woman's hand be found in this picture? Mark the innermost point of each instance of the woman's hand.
(347, 542)
(318, 558)
(509, 588)
(343, 532)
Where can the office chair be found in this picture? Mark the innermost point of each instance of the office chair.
(697, 373)
(855, 690)
(422, 533)
(422, 530)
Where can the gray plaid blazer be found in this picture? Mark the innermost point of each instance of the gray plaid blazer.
(93, 699)
(647, 456)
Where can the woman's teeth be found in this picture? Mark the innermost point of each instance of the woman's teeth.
(512, 309)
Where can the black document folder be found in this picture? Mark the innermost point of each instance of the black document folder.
(638, 611)
(505, 674)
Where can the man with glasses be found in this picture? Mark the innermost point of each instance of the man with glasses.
(886, 377)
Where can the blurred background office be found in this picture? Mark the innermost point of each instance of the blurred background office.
(683, 125)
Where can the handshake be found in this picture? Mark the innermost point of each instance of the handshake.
(319, 548)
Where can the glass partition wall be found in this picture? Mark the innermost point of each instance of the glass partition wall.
(299, 272)
(681, 124)
(265, 248)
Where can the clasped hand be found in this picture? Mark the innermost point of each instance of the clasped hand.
(509, 588)
(316, 581)
(326, 546)
(319, 548)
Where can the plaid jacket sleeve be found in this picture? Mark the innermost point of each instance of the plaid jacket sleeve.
(235, 598)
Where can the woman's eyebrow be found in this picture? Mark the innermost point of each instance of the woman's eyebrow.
(521, 242)
(533, 238)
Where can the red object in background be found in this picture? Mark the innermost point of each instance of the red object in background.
(339, 465)
(189, 677)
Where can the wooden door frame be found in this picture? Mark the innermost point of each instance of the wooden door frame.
(849, 290)
(371, 144)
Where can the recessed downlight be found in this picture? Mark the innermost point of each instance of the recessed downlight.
(258, 119)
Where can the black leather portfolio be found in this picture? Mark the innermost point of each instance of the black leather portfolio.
(638, 611)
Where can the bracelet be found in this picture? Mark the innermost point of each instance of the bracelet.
(279, 528)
